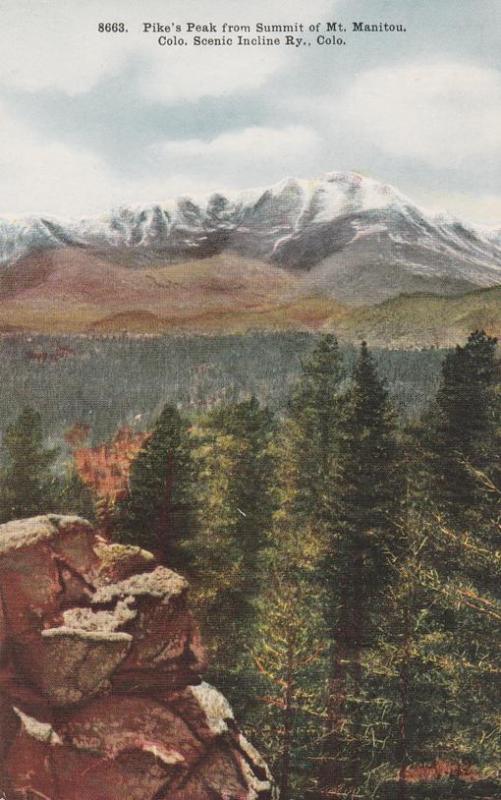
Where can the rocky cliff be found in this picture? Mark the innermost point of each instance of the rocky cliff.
(100, 690)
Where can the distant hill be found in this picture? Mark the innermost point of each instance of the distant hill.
(424, 320)
(75, 291)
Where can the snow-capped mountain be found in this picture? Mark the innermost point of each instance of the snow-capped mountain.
(350, 236)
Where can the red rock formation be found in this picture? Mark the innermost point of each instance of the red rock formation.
(100, 689)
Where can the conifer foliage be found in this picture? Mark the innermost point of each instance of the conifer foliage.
(463, 442)
(345, 567)
(75, 497)
(27, 482)
(361, 550)
(236, 477)
(159, 511)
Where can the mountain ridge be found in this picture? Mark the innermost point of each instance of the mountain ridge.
(337, 222)
(286, 255)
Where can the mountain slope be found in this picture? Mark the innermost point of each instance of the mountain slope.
(342, 235)
(422, 320)
(73, 290)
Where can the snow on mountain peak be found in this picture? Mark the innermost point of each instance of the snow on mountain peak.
(296, 223)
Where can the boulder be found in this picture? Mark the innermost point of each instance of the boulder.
(101, 694)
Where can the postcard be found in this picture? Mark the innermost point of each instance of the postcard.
(250, 407)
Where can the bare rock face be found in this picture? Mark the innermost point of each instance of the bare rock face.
(100, 689)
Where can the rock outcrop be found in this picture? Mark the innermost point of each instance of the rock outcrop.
(100, 690)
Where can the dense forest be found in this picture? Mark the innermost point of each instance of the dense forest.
(338, 517)
(108, 381)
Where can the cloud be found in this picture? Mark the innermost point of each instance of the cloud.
(244, 157)
(192, 74)
(92, 120)
(48, 177)
(57, 46)
(45, 177)
(439, 113)
(54, 178)
(482, 208)
(250, 144)
(41, 177)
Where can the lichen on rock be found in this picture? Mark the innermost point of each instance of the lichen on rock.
(101, 693)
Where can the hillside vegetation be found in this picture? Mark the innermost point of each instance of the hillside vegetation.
(73, 290)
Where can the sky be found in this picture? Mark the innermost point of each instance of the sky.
(90, 121)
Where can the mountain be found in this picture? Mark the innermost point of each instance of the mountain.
(298, 254)
(356, 238)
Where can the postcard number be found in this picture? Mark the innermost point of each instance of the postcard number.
(112, 27)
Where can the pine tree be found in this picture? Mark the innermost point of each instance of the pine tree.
(159, 511)
(363, 544)
(235, 516)
(306, 458)
(436, 646)
(28, 487)
(75, 497)
(290, 647)
(463, 429)
(288, 653)
(312, 428)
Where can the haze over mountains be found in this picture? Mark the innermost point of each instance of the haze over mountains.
(301, 253)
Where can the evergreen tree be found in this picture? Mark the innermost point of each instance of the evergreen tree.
(28, 487)
(158, 513)
(311, 429)
(435, 661)
(75, 497)
(287, 647)
(289, 654)
(235, 516)
(463, 429)
(363, 542)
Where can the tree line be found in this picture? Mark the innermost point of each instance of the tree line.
(345, 566)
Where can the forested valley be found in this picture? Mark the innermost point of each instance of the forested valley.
(343, 553)
(109, 381)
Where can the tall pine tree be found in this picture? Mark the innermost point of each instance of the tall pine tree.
(463, 430)
(28, 487)
(363, 543)
(289, 655)
(289, 646)
(159, 511)
(236, 472)
(311, 429)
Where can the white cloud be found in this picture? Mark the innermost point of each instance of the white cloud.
(53, 178)
(249, 144)
(191, 74)
(242, 158)
(40, 177)
(44, 177)
(56, 45)
(440, 113)
(483, 208)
